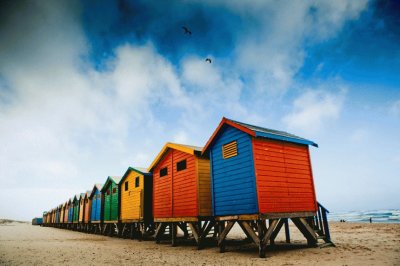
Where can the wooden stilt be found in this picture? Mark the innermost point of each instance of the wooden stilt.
(276, 231)
(224, 233)
(306, 230)
(140, 229)
(160, 231)
(249, 231)
(173, 228)
(287, 233)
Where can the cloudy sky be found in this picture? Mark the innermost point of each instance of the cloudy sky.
(88, 88)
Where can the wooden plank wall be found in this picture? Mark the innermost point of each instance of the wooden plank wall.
(162, 189)
(81, 209)
(87, 210)
(131, 202)
(204, 187)
(233, 179)
(284, 178)
(184, 186)
(96, 206)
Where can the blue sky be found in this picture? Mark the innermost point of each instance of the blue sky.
(88, 88)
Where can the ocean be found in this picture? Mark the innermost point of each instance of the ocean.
(378, 216)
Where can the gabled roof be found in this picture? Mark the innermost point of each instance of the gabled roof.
(96, 186)
(114, 179)
(82, 195)
(76, 197)
(87, 194)
(139, 170)
(180, 147)
(256, 131)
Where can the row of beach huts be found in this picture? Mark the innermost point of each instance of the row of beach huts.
(256, 177)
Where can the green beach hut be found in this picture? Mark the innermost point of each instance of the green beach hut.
(111, 204)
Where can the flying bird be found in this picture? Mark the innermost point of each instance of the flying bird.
(187, 31)
(208, 60)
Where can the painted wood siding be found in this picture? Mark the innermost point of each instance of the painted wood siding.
(233, 179)
(111, 203)
(87, 210)
(115, 203)
(76, 211)
(107, 204)
(62, 215)
(162, 189)
(132, 199)
(96, 206)
(284, 177)
(204, 187)
(66, 214)
(81, 210)
(70, 212)
(184, 188)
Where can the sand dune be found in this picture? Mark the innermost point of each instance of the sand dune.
(356, 244)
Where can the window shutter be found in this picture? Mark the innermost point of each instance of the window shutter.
(229, 150)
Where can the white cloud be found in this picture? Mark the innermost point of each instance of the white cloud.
(313, 108)
(65, 125)
(272, 52)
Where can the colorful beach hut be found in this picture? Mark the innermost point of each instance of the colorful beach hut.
(58, 215)
(96, 199)
(75, 204)
(81, 210)
(86, 206)
(181, 190)
(70, 212)
(136, 211)
(62, 212)
(257, 174)
(44, 217)
(53, 216)
(66, 210)
(110, 193)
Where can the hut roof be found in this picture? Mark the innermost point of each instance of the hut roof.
(115, 179)
(139, 170)
(180, 147)
(257, 131)
(76, 198)
(96, 186)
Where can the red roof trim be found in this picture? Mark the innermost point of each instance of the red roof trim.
(221, 124)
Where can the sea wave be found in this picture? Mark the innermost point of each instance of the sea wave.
(376, 216)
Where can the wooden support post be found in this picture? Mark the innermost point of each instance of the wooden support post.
(276, 231)
(160, 231)
(194, 231)
(183, 227)
(306, 230)
(272, 225)
(262, 247)
(224, 232)
(132, 231)
(260, 229)
(140, 231)
(287, 232)
(173, 227)
(248, 230)
(207, 229)
(221, 244)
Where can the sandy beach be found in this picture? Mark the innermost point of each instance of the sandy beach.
(356, 244)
